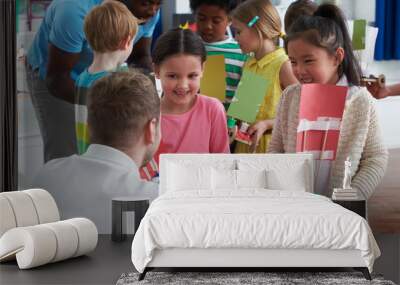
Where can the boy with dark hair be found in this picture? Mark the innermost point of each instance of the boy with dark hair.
(123, 116)
(110, 29)
(212, 20)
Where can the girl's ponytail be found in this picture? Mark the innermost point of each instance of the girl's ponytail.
(350, 65)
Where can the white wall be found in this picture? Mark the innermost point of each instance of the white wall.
(358, 9)
(364, 9)
(389, 117)
(182, 7)
(389, 108)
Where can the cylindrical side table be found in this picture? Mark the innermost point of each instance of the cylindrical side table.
(357, 206)
(137, 204)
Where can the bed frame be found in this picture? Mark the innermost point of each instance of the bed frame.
(256, 259)
(244, 259)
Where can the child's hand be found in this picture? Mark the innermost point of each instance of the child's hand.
(256, 131)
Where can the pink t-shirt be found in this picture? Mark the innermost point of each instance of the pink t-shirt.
(200, 130)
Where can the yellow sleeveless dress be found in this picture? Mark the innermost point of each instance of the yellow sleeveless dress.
(268, 67)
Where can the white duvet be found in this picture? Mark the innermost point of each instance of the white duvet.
(254, 218)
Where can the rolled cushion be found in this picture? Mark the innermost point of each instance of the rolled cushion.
(23, 208)
(6, 216)
(87, 233)
(26, 208)
(45, 205)
(67, 237)
(37, 245)
(32, 246)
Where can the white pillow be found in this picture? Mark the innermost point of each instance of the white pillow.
(294, 179)
(223, 179)
(182, 177)
(281, 174)
(251, 178)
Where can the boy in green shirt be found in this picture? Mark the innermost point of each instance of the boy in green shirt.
(212, 20)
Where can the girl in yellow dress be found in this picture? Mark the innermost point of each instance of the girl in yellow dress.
(258, 28)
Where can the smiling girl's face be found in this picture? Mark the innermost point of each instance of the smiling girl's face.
(312, 64)
(180, 79)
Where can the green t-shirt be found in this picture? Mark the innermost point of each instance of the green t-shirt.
(234, 61)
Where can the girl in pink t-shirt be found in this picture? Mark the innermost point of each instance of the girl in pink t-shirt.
(190, 122)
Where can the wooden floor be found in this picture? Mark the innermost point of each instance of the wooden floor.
(384, 205)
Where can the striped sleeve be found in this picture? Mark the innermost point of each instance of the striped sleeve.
(234, 61)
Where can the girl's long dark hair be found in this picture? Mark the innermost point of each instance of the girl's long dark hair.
(327, 29)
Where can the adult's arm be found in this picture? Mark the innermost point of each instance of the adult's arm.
(141, 55)
(380, 92)
(58, 78)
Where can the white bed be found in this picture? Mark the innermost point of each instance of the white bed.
(247, 211)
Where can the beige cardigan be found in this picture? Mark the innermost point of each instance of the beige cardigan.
(360, 139)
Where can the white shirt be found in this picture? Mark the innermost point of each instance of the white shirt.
(84, 185)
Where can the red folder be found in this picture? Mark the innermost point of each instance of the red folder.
(320, 114)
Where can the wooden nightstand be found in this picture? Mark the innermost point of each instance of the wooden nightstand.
(358, 206)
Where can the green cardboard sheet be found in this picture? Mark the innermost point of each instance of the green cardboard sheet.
(248, 97)
(359, 33)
